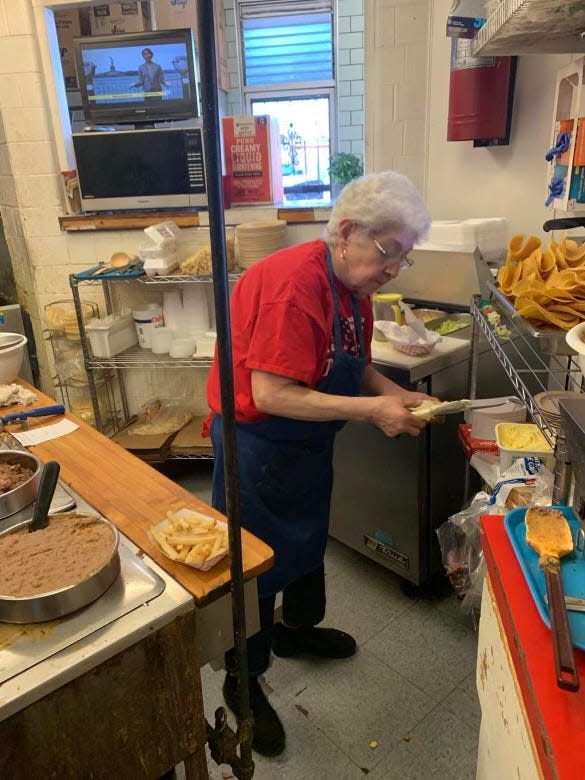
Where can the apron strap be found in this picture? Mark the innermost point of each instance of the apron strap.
(357, 316)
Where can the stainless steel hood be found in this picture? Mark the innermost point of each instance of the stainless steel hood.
(443, 277)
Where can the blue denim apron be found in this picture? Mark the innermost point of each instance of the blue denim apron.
(286, 469)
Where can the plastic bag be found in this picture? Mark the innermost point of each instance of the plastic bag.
(459, 540)
(160, 416)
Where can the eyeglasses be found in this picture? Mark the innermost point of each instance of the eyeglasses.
(404, 262)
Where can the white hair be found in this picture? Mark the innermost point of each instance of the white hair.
(378, 203)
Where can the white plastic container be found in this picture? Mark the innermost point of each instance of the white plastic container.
(483, 421)
(161, 339)
(111, 335)
(205, 346)
(509, 454)
(160, 265)
(11, 358)
(146, 319)
(182, 348)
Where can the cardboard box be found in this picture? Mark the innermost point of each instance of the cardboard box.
(465, 18)
(175, 14)
(253, 159)
(178, 14)
(68, 26)
(114, 18)
(579, 155)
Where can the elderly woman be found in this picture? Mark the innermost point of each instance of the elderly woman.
(301, 327)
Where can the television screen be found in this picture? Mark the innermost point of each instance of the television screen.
(139, 77)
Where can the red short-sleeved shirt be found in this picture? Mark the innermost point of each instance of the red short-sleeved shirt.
(282, 323)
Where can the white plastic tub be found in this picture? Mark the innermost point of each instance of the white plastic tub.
(146, 320)
(111, 335)
(508, 453)
(11, 358)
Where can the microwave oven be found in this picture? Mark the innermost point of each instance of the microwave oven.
(140, 169)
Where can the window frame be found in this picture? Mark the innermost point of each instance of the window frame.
(289, 94)
(295, 90)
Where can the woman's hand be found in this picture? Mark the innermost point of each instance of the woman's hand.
(392, 416)
(412, 400)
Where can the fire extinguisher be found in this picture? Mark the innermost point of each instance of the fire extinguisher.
(481, 91)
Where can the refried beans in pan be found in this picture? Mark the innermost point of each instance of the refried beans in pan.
(12, 475)
(68, 551)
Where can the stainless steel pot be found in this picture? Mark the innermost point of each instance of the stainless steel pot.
(14, 500)
(49, 606)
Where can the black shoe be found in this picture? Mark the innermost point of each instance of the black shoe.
(321, 642)
(269, 738)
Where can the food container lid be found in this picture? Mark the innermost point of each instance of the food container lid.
(388, 297)
(163, 231)
(111, 322)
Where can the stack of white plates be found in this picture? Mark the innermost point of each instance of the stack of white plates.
(548, 404)
(255, 240)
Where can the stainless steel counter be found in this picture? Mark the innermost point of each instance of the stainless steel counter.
(390, 494)
(37, 659)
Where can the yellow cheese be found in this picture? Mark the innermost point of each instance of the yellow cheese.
(522, 436)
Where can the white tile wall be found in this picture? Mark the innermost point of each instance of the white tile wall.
(39, 190)
(19, 16)
(18, 55)
(41, 221)
(412, 23)
(10, 94)
(8, 191)
(396, 47)
(26, 124)
(350, 73)
(33, 157)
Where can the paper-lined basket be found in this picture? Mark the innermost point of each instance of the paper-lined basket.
(185, 513)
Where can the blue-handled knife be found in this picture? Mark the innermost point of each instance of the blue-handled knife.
(41, 411)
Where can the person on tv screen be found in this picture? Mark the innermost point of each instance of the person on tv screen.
(151, 76)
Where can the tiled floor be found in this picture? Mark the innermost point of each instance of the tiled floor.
(404, 707)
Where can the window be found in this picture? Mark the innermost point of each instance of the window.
(288, 70)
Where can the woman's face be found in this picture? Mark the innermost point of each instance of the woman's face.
(147, 54)
(365, 264)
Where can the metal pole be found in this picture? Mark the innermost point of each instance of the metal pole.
(212, 148)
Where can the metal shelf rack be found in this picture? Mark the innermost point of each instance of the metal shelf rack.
(529, 356)
(135, 357)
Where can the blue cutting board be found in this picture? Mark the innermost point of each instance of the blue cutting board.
(115, 273)
(572, 569)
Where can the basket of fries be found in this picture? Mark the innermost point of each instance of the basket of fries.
(192, 538)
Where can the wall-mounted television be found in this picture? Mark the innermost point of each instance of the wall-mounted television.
(137, 77)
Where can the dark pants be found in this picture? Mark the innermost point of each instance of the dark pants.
(303, 606)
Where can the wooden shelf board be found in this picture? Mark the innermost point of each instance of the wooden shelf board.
(184, 219)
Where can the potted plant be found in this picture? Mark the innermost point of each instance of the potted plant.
(344, 167)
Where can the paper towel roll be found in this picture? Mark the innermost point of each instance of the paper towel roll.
(195, 310)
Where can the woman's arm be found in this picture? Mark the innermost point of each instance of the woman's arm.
(375, 383)
(284, 397)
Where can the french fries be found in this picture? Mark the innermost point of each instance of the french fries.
(191, 537)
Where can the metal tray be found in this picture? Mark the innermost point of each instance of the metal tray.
(572, 569)
(463, 320)
(23, 646)
(550, 339)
